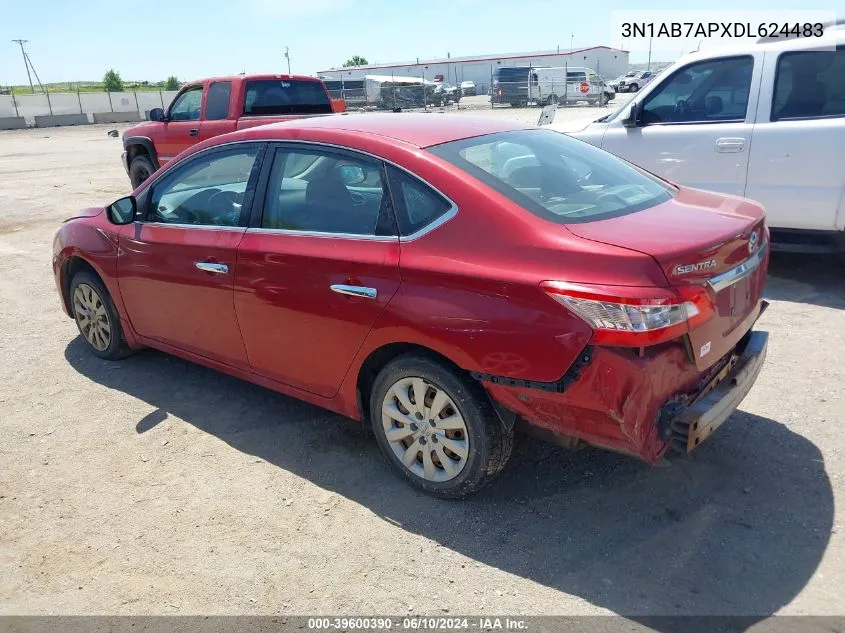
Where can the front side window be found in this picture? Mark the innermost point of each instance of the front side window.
(217, 102)
(187, 106)
(324, 192)
(266, 97)
(556, 177)
(710, 91)
(208, 190)
(810, 85)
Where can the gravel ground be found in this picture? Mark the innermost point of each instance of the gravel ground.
(154, 486)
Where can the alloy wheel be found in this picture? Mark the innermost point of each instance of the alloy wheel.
(92, 317)
(425, 429)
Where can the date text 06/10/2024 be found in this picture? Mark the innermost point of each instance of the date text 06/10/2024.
(417, 623)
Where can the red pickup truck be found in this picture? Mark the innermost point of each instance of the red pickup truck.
(215, 106)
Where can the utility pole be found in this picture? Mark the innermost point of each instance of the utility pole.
(25, 62)
(649, 54)
(287, 57)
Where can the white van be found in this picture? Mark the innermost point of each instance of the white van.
(561, 85)
(765, 121)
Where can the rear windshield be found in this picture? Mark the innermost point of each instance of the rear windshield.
(509, 74)
(555, 176)
(285, 96)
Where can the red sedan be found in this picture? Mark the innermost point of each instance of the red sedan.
(448, 280)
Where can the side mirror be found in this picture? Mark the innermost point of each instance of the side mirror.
(156, 114)
(634, 116)
(122, 211)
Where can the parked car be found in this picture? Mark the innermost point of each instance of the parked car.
(210, 107)
(511, 84)
(445, 94)
(614, 83)
(444, 279)
(633, 82)
(468, 89)
(765, 121)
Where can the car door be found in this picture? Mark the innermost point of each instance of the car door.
(177, 264)
(182, 124)
(695, 126)
(317, 267)
(219, 116)
(796, 168)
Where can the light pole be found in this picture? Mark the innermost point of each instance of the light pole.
(25, 63)
(287, 57)
(649, 54)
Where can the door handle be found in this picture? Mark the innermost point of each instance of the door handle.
(355, 291)
(193, 132)
(211, 267)
(730, 144)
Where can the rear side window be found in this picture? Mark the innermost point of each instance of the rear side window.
(217, 101)
(417, 204)
(285, 96)
(711, 91)
(810, 85)
(554, 176)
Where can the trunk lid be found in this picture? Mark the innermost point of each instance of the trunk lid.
(701, 239)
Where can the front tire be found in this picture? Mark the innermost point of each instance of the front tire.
(140, 169)
(96, 317)
(437, 427)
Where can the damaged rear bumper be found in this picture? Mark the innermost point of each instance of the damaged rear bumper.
(705, 414)
(636, 404)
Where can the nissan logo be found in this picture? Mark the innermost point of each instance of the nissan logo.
(752, 242)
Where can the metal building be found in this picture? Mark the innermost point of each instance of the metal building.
(607, 62)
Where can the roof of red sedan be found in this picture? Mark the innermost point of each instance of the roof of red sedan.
(419, 129)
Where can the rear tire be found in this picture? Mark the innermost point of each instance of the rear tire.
(96, 317)
(140, 169)
(551, 99)
(450, 453)
(633, 88)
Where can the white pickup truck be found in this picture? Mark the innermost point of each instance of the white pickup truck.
(765, 121)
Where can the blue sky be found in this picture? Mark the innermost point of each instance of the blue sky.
(74, 40)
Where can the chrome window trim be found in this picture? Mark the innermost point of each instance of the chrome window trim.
(437, 222)
(434, 224)
(345, 236)
(176, 225)
(740, 272)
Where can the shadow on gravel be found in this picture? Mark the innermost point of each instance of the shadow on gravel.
(814, 279)
(737, 529)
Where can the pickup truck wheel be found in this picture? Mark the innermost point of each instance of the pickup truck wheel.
(140, 169)
(96, 317)
(437, 427)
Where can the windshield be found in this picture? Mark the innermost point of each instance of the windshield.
(554, 176)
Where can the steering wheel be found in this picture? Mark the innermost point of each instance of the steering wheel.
(222, 206)
(610, 196)
(682, 110)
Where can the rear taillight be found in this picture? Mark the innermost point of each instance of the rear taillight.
(634, 316)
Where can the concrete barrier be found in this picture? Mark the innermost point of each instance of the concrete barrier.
(12, 123)
(116, 117)
(57, 120)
